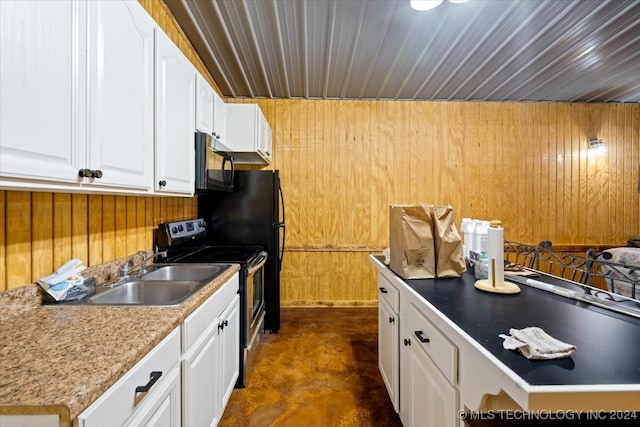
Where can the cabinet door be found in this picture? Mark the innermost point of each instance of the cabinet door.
(248, 134)
(242, 132)
(264, 146)
(426, 397)
(121, 94)
(200, 380)
(388, 351)
(230, 349)
(204, 105)
(175, 117)
(432, 400)
(41, 46)
(219, 117)
(163, 409)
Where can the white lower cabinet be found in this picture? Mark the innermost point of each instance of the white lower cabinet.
(147, 395)
(427, 398)
(388, 344)
(162, 409)
(210, 359)
(229, 351)
(199, 380)
(417, 362)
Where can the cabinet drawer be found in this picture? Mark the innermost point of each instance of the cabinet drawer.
(427, 337)
(388, 292)
(203, 316)
(121, 400)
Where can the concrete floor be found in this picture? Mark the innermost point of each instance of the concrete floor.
(321, 370)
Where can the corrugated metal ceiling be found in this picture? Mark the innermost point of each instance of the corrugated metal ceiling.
(577, 51)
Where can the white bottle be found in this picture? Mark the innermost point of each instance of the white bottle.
(475, 238)
(481, 237)
(466, 227)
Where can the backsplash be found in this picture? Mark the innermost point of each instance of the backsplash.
(45, 230)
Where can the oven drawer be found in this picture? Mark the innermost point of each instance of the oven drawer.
(203, 316)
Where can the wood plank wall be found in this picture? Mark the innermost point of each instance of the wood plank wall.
(44, 230)
(343, 162)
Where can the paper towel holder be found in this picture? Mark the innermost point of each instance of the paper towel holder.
(496, 283)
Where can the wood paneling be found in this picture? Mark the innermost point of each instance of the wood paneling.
(44, 230)
(343, 162)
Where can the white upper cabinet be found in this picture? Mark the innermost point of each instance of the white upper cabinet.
(204, 105)
(219, 118)
(72, 121)
(175, 118)
(40, 110)
(248, 134)
(121, 93)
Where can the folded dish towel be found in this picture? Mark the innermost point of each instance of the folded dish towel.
(534, 343)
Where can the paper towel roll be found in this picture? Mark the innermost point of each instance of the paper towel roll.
(496, 253)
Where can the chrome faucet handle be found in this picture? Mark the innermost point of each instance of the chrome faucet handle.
(124, 270)
(143, 264)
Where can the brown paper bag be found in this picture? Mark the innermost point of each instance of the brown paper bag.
(448, 243)
(411, 245)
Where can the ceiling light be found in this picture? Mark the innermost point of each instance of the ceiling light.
(425, 4)
(430, 4)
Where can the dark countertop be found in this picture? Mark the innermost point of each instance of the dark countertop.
(608, 343)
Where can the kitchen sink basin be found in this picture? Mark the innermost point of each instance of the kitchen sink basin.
(147, 292)
(184, 272)
(160, 285)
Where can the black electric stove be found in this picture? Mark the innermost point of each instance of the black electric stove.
(186, 242)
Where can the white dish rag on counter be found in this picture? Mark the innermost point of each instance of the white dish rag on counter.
(534, 343)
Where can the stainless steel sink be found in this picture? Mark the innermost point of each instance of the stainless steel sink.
(160, 285)
(184, 272)
(147, 292)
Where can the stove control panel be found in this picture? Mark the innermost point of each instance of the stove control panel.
(187, 228)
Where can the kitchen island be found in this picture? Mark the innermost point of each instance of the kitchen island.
(59, 360)
(458, 329)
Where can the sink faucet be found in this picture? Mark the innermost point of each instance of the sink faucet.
(124, 270)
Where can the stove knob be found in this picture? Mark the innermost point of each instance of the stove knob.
(180, 227)
(174, 230)
(201, 224)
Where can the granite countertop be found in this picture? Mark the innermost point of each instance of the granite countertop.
(58, 360)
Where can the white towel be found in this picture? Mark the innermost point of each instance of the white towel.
(534, 343)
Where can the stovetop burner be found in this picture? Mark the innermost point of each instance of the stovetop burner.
(233, 254)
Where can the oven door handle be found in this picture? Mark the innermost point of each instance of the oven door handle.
(259, 262)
